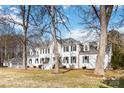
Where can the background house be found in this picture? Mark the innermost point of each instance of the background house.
(14, 63)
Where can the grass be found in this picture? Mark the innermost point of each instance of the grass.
(14, 78)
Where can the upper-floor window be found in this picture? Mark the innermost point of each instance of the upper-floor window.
(37, 52)
(66, 48)
(81, 47)
(73, 48)
(48, 50)
(43, 51)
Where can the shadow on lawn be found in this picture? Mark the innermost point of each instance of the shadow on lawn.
(62, 72)
(67, 70)
(117, 83)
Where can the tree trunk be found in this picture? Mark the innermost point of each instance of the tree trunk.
(5, 50)
(56, 69)
(25, 50)
(25, 21)
(99, 70)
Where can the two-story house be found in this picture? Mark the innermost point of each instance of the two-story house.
(72, 53)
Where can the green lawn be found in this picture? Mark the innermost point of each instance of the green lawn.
(44, 78)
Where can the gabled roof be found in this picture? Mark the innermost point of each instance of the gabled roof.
(68, 41)
(33, 46)
(92, 50)
(14, 60)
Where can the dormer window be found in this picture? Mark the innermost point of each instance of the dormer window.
(86, 48)
(81, 47)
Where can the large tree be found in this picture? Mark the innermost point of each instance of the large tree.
(98, 18)
(25, 14)
(30, 19)
(54, 39)
(105, 14)
(56, 16)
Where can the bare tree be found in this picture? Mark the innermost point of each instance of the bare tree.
(54, 39)
(57, 17)
(30, 18)
(98, 18)
(105, 14)
(25, 13)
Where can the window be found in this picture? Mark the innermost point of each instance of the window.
(45, 51)
(66, 48)
(86, 48)
(36, 61)
(73, 59)
(37, 52)
(48, 50)
(66, 60)
(85, 59)
(46, 60)
(73, 48)
(40, 60)
(82, 48)
(30, 61)
(41, 51)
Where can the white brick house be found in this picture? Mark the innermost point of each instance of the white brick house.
(72, 54)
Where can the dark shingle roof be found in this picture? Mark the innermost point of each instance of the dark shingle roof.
(15, 60)
(68, 41)
(92, 50)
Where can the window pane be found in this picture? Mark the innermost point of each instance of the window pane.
(86, 59)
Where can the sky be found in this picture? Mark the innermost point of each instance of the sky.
(77, 30)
